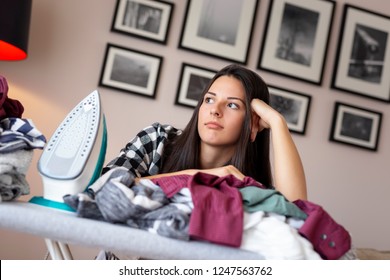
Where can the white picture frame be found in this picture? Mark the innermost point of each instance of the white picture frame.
(192, 82)
(363, 68)
(130, 70)
(356, 126)
(144, 19)
(294, 107)
(296, 38)
(219, 28)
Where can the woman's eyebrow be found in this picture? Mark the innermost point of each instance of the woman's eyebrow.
(236, 98)
(230, 98)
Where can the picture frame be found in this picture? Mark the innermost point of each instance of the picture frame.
(362, 63)
(193, 80)
(296, 39)
(227, 35)
(130, 71)
(144, 19)
(355, 126)
(294, 107)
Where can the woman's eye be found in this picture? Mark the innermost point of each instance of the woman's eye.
(233, 106)
(208, 100)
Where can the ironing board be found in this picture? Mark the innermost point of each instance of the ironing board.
(62, 228)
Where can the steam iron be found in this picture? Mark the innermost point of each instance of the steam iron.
(74, 156)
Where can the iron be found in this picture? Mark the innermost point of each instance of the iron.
(74, 156)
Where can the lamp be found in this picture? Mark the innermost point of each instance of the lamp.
(14, 28)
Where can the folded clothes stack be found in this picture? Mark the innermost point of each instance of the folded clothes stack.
(18, 138)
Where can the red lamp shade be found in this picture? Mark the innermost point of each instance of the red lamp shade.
(14, 28)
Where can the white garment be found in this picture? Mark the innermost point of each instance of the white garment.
(272, 237)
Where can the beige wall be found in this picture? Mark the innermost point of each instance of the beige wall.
(66, 49)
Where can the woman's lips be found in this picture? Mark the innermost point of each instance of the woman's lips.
(214, 125)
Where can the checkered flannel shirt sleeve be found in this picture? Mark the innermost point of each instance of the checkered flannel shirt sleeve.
(142, 155)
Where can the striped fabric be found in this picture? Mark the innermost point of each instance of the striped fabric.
(17, 134)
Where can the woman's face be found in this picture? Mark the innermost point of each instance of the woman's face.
(222, 113)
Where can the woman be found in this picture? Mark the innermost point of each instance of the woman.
(229, 133)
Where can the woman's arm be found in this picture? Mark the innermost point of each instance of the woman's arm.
(219, 171)
(289, 174)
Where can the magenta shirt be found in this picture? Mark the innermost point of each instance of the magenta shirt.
(329, 239)
(218, 211)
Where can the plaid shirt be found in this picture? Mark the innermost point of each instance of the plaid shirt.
(142, 155)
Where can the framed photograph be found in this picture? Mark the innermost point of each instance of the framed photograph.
(143, 19)
(219, 28)
(362, 63)
(356, 126)
(292, 105)
(192, 83)
(130, 71)
(296, 38)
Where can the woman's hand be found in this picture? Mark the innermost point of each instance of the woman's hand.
(263, 117)
(224, 171)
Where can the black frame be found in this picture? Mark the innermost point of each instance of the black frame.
(141, 81)
(294, 106)
(355, 126)
(186, 94)
(308, 63)
(362, 63)
(226, 46)
(155, 31)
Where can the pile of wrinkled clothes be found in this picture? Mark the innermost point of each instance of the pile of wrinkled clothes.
(18, 138)
(222, 210)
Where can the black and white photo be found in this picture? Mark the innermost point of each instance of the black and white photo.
(220, 28)
(143, 18)
(296, 38)
(362, 63)
(368, 52)
(192, 82)
(293, 106)
(130, 70)
(355, 126)
(297, 34)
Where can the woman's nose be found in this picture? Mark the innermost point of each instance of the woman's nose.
(215, 111)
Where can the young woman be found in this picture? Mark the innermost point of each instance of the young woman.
(229, 133)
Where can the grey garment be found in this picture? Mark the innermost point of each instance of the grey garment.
(13, 169)
(115, 198)
(12, 186)
(350, 255)
(118, 174)
(84, 205)
(143, 206)
(118, 203)
(168, 221)
(17, 161)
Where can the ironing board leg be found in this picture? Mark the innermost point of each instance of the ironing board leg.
(58, 250)
(67, 255)
(54, 249)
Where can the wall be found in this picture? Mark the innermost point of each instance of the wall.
(66, 49)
